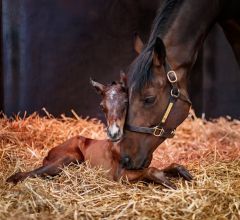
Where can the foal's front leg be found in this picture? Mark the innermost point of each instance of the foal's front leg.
(177, 170)
(159, 176)
(149, 174)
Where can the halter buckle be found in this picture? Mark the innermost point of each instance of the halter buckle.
(173, 132)
(158, 131)
(172, 76)
(176, 93)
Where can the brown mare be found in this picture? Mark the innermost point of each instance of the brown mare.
(103, 153)
(158, 97)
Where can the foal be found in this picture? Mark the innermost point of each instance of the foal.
(102, 153)
(114, 105)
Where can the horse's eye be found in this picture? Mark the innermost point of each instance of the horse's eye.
(149, 100)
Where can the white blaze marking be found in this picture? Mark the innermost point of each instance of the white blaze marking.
(112, 94)
(113, 129)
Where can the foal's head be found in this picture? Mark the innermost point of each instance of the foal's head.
(114, 105)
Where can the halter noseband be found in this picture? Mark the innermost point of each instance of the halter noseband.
(160, 130)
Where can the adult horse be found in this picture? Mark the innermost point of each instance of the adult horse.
(158, 97)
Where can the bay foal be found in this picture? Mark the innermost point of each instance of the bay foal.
(104, 153)
(114, 105)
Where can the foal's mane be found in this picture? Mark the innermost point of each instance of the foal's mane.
(140, 70)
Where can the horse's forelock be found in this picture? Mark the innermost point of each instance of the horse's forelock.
(140, 71)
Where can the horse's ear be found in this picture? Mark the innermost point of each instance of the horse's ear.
(123, 79)
(138, 44)
(100, 88)
(159, 53)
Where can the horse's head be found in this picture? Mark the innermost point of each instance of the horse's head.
(158, 103)
(114, 105)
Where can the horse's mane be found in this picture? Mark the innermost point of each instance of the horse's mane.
(140, 70)
(161, 20)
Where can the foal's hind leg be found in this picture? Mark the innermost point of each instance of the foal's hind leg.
(57, 158)
(52, 169)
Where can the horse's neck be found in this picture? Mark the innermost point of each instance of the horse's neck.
(187, 31)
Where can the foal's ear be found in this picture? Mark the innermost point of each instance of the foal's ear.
(123, 79)
(159, 53)
(100, 88)
(138, 44)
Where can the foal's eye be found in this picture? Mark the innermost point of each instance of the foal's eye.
(149, 100)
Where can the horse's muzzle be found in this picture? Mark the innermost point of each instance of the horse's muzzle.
(129, 164)
(126, 162)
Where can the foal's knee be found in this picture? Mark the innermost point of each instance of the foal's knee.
(151, 171)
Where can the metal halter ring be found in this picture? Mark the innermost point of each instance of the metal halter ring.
(175, 95)
(172, 76)
(158, 131)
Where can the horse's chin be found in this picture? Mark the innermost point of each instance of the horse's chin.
(117, 140)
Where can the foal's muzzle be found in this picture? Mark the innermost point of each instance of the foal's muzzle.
(114, 132)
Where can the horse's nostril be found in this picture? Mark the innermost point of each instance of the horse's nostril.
(126, 162)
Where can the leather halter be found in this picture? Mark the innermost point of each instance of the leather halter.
(160, 130)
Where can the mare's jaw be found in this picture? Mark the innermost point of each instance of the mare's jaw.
(137, 149)
(127, 163)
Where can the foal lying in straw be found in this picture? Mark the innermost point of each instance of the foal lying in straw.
(104, 153)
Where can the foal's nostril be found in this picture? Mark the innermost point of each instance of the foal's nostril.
(114, 132)
(126, 162)
(113, 135)
(108, 133)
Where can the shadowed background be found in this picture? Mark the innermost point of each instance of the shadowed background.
(50, 49)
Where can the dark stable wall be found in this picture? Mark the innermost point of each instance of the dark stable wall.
(50, 49)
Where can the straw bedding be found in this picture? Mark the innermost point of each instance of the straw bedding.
(209, 149)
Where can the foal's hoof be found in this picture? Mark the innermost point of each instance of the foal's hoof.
(184, 173)
(17, 177)
(177, 170)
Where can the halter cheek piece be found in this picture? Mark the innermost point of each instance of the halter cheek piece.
(160, 130)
